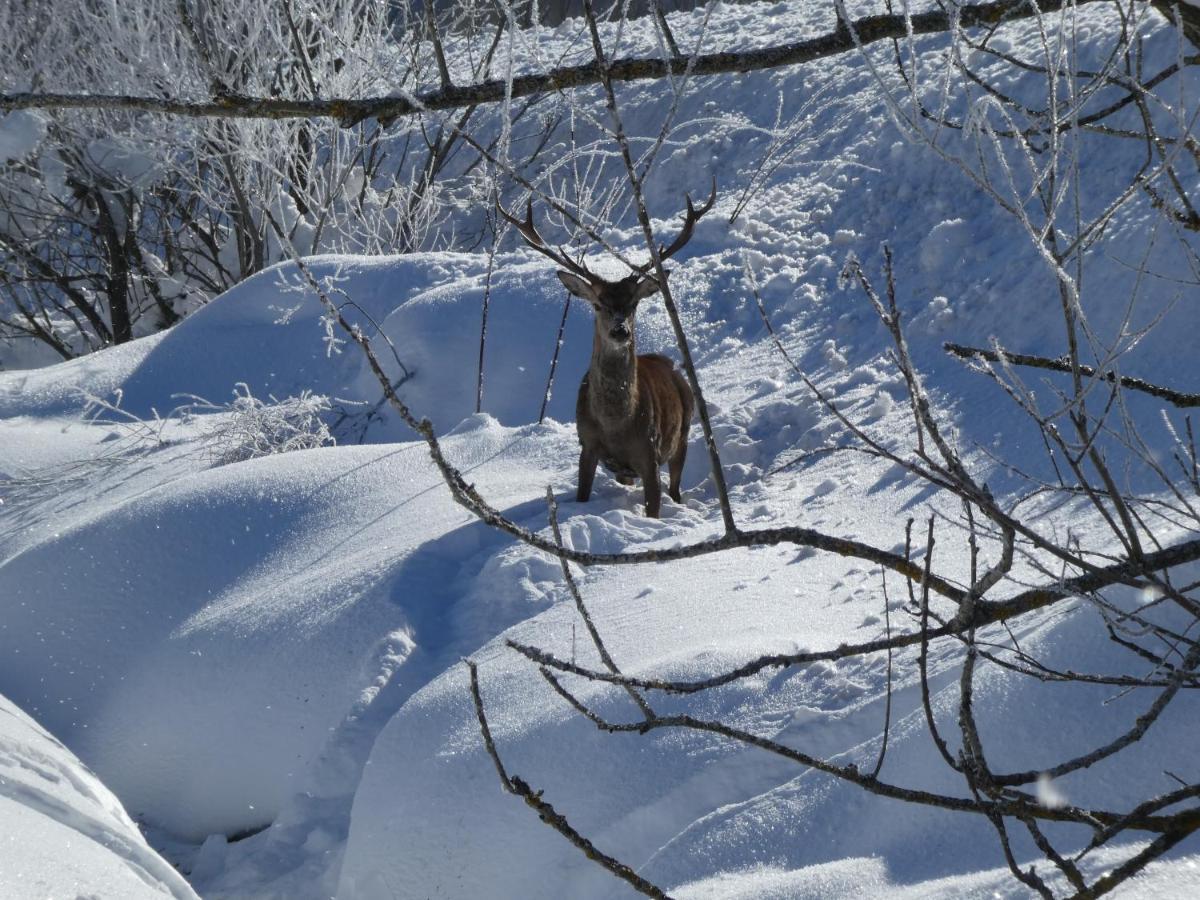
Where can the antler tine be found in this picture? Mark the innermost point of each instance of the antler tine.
(691, 217)
(689, 222)
(535, 240)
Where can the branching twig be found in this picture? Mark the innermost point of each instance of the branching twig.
(515, 785)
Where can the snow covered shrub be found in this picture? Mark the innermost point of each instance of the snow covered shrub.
(252, 427)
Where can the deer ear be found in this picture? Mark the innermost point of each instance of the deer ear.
(577, 286)
(647, 287)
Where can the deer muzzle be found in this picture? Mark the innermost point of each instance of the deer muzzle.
(619, 331)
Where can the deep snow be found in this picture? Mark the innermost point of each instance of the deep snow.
(65, 833)
(275, 644)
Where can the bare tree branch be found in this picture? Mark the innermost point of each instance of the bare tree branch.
(349, 111)
(986, 613)
(1177, 398)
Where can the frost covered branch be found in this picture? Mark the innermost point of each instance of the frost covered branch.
(352, 110)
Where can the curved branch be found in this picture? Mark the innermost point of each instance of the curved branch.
(1016, 805)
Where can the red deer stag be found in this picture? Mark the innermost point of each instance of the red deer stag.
(633, 412)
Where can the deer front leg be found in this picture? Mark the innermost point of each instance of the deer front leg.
(648, 471)
(587, 472)
(653, 494)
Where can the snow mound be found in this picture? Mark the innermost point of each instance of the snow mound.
(269, 333)
(66, 834)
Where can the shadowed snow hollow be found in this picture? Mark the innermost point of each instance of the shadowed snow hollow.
(65, 834)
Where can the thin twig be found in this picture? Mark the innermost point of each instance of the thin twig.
(515, 785)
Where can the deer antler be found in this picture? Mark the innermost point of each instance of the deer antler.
(534, 240)
(691, 217)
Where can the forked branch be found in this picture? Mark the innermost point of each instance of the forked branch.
(515, 785)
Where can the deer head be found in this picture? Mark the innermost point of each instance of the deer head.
(614, 302)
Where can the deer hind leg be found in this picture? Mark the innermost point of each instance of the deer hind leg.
(688, 407)
(675, 471)
(587, 472)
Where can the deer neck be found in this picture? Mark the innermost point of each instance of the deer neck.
(612, 379)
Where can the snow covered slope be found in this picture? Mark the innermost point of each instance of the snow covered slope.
(270, 650)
